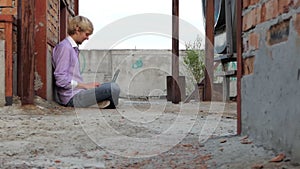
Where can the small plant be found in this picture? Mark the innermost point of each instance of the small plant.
(195, 59)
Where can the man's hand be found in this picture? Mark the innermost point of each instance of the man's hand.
(90, 85)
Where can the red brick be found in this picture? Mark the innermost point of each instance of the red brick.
(257, 16)
(245, 4)
(248, 65)
(253, 41)
(275, 7)
(252, 18)
(285, 5)
(263, 13)
(6, 3)
(297, 23)
(10, 11)
(253, 2)
(269, 10)
(297, 3)
(245, 22)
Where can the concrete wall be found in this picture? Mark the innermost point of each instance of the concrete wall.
(271, 81)
(2, 73)
(142, 72)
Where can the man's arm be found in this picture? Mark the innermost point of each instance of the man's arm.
(61, 60)
(90, 85)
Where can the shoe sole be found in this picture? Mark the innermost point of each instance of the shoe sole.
(103, 104)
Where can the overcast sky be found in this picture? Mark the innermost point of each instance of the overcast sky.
(105, 12)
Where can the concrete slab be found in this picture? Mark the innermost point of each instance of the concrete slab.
(138, 134)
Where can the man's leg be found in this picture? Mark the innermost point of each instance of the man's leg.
(106, 91)
(114, 94)
(114, 97)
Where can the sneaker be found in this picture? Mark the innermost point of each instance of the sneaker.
(103, 104)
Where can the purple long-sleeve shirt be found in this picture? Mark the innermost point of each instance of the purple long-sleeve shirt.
(66, 68)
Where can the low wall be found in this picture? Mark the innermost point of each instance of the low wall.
(143, 73)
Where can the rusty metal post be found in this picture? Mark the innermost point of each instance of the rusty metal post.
(63, 21)
(41, 46)
(26, 30)
(239, 64)
(176, 96)
(76, 7)
(8, 64)
(209, 50)
(8, 25)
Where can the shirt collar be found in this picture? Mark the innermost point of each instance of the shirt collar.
(73, 43)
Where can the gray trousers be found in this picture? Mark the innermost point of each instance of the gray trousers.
(106, 91)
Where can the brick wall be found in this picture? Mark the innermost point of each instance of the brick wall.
(53, 24)
(53, 21)
(8, 7)
(258, 12)
(270, 85)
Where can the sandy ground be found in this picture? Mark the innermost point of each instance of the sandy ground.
(138, 134)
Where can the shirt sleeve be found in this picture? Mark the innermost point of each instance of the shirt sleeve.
(62, 61)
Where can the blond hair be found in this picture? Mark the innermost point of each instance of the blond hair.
(81, 24)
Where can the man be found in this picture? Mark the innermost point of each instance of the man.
(71, 89)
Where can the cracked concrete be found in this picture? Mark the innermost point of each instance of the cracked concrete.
(138, 134)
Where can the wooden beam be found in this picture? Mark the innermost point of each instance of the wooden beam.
(239, 64)
(176, 96)
(63, 20)
(76, 7)
(8, 25)
(209, 50)
(8, 64)
(41, 46)
(26, 29)
(6, 18)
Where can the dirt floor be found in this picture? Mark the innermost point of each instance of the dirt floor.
(138, 134)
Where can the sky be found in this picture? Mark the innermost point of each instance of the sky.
(103, 13)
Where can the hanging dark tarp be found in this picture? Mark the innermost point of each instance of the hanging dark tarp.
(220, 24)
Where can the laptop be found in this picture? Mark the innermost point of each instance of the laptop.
(116, 74)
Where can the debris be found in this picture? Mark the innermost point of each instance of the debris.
(257, 166)
(278, 158)
(203, 166)
(57, 161)
(246, 142)
(244, 138)
(223, 141)
(38, 106)
(107, 157)
(187, 145)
